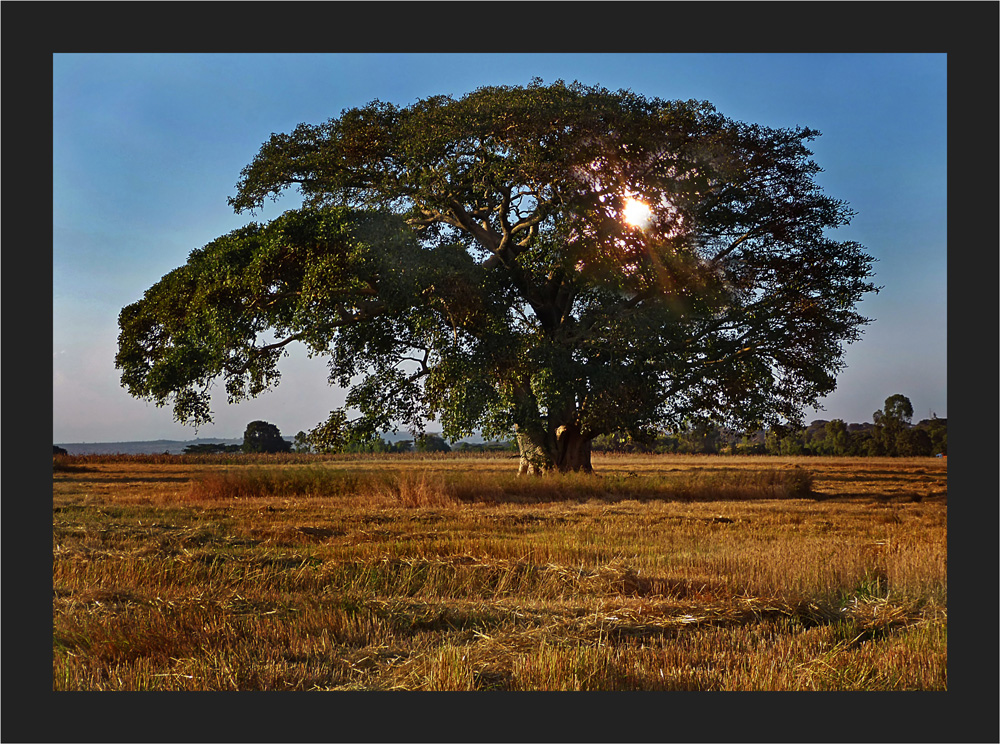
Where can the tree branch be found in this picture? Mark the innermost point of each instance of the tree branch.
(277, 345)
(487, 238)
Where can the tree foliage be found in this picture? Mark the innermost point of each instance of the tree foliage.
(467, 260)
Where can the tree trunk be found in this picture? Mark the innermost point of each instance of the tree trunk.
(535, 458)
(572, 450)
(565, 450)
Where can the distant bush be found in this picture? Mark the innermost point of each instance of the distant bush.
(432, 443)
(211, 449)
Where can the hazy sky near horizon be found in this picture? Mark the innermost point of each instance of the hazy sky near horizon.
(147, 148)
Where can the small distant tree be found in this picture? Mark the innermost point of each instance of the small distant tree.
(701, 438)
(814, 437)
(260, 436)
(783, 440)
(897, 408)
(57, 450)
(301, 443)
(837, 440)
(914, 443)
(403, 445)
(937, 431)
(864, 443)
(751, 443)
(432, 443)
(890, 422)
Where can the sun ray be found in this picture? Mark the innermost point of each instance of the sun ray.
(637, 213)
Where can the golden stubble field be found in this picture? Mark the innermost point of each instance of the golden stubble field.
(449, 572)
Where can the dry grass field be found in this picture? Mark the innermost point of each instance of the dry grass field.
(448, 572)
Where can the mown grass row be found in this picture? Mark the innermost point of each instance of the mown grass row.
(353, 643)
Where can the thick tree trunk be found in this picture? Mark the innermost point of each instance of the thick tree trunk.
(565, 450)
(572, 450)
(535, 458)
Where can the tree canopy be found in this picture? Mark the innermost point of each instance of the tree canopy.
(476, 261)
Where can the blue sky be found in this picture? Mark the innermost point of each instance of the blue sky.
(147, 148)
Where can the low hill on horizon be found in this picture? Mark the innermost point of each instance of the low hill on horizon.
(148, 447)
(176, 446)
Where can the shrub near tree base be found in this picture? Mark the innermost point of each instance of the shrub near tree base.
(556, 262)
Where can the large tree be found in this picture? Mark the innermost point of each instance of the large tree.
(555, 262)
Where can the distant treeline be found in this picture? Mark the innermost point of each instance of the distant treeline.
(821, 437)
(888, 438)
(425, 443)
(891, 435)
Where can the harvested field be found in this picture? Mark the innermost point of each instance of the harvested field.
(448, 572)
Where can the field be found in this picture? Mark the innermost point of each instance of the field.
(448, 572)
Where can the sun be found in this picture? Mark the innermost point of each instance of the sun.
(637, 213)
